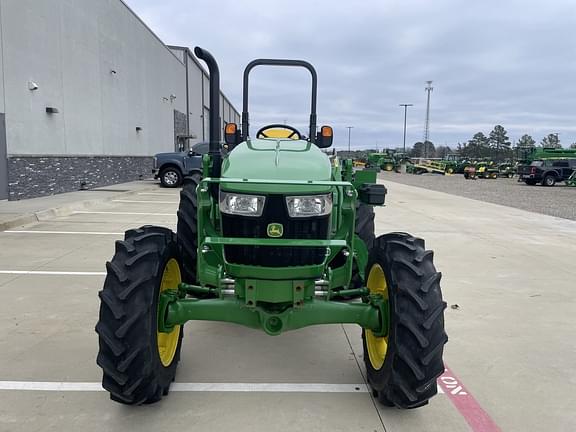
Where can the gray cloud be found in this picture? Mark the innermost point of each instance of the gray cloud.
(493, 62)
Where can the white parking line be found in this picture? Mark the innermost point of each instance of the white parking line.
(194, 387)
(63, 232)
(157, 194)
(146, 202)
(52, 273)
(124, 213)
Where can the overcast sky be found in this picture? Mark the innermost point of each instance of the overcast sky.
(492, 62)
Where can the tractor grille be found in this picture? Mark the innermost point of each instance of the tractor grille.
(268, 256)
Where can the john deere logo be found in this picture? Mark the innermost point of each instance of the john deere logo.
(275, 230)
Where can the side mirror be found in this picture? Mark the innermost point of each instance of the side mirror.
(231, 134)
(324, 137)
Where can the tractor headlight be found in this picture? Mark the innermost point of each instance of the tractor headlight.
(306, 206)
(241, 204)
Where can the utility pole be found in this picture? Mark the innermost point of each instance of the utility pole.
(349, 129)
(428, 89)
(405, 114)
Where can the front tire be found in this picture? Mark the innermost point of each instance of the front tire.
(170, 177)
(402, 367)
(138, 362)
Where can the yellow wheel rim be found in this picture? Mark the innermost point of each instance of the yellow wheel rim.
(377, 346)
(168, 342)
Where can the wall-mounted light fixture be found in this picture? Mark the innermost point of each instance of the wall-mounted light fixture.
(52, 110)
(164, 98)
(172, 98)
(138, 129)
(113, 72)
(32, 86)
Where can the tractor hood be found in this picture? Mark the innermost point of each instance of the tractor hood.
(277, 159)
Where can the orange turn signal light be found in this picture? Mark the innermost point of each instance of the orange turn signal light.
(231, 128)
(326, 131)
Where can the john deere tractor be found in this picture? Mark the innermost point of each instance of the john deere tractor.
(275, 235)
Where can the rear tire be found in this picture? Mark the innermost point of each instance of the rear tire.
(406, 376)
(364, 229)
(129, 354)
(187, 229)
(365, 223)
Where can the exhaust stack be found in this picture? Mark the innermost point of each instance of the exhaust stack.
(214, 151)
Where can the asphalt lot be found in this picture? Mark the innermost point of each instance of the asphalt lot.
(511, 329)
(559, 201)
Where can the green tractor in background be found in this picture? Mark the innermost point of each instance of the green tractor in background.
(506, 169)
(386, 160)
(274, 236)
(484, 169)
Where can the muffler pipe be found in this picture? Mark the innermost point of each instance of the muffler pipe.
(214, 149)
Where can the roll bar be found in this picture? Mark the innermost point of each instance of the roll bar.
(279, 62)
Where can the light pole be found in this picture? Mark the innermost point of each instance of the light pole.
(349, 129)
(405, 114)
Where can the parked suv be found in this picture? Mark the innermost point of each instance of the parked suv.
(171, 168)
(547, 172)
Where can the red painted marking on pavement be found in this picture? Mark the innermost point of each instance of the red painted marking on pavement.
(473, 413)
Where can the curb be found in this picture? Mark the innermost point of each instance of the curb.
(64, 210)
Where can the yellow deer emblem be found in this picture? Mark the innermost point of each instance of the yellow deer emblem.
(275, 230)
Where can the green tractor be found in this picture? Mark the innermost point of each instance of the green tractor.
(385, 161)
(388, 161)
(275, 236)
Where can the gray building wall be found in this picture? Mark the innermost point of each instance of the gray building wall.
(119, 91)
(199, 97)
(3, 149)
(100, 67)
(1, 65)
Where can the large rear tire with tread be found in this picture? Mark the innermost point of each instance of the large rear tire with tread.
(365, 223)
(134, 370)
(187, 229)
(411, 354)
(364, 228)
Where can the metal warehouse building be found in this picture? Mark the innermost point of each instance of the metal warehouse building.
(88, 94)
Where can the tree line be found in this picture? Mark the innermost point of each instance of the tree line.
(496, 146)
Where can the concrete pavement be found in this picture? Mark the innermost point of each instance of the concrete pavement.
(15, 213)
(510, 272)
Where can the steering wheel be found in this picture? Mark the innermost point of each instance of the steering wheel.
(279, 131)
